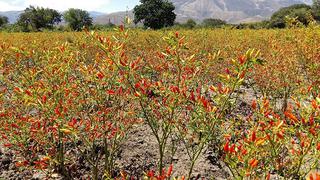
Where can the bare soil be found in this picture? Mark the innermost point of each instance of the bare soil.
(138, 154)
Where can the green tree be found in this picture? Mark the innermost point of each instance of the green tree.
(299, 11)
(77, 19)
(190, 24)
(36, 18)
(316, 9)
(3, 20)
(155, 14)
(211, 22)
(253, 25)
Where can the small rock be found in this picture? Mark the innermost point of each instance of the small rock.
(275, 177)
(175, 158)
(55, 175)
(38, 176)
(219, 178)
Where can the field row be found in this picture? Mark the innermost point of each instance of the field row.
(81, 94)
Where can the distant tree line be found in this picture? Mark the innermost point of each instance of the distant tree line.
(39, 19)
(153, 14)
(206, 23)
(3, 20)
(295, 15)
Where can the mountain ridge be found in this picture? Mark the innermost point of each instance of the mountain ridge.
(232, 11)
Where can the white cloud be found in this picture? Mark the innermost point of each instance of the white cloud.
(8, 6)
(61, 5)
(65, 4)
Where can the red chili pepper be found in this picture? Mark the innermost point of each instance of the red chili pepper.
(170, 170)
(14, 126)
(253, 163)
(121, 28)
(242, 59)
(280, 135)
(28, 93)
(123, 63)
(168, 50)
(177, 34)
(313, 131)
(311, 120)
(314, 104)
(111, 92)
(57, 111)
(268, 176)
(254, 104)
(244, 152)
(7, 145)
(192, 97)
(226, 147)
(44, 99)
(205, 103)
(100, 75)
(227, 71)
(242, 74)
(150, 174)
(232, 148)
(291, 116)
(253, 136)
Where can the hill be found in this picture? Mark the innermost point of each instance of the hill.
(233, 11)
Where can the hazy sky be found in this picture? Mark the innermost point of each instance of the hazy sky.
(106, 6)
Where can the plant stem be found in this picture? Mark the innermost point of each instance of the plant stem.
(60, 153)
(106, 156)
(302, 158)
(191, 169)
(161, 153)
(95, 173)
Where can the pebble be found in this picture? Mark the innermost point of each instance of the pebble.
(55, 175)
(38, 176)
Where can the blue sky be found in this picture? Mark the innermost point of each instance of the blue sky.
(106, 6)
